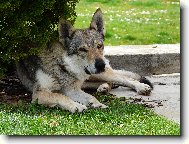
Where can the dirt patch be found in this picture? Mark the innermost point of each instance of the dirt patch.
(147, 103)
(12, 91)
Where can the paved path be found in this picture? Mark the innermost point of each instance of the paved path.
(164, 99)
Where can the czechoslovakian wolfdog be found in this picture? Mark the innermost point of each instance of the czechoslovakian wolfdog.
(57, 75)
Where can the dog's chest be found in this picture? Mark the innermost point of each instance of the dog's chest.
(46, 81)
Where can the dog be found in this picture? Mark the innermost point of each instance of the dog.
(57, 75)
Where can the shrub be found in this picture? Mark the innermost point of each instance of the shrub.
(26, 26)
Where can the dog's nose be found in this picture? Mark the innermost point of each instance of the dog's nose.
(99, 65)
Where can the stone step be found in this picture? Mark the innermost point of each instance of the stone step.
(145, 59)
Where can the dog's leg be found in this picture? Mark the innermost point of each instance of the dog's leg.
(125, 79)
(134, 76)
(86, 99)
(126, 74)
(48, 98)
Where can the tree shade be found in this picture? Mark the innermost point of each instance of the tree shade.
(26, 26)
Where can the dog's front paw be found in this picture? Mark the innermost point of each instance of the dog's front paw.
(98, 105)
(94, 103)
(77, 107)
(74, 107)
(105, 88)
(143, 89)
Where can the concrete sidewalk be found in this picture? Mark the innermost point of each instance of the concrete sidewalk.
(164, 99)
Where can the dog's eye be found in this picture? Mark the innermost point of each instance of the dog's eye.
(99, 45)
(83, 50)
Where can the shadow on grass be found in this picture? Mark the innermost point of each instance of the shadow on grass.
(115, 106)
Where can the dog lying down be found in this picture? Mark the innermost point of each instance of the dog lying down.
(57, 75)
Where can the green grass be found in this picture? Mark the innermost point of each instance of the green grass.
(134, 22)
(126, 22)
(120, 118)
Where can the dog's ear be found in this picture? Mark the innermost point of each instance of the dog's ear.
(97, 22)
(65, 30)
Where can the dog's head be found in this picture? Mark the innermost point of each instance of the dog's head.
(85, 46)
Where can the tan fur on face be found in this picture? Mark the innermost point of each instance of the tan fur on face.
(87, 44)
(96, 52)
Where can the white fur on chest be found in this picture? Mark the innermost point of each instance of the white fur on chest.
(44, 80)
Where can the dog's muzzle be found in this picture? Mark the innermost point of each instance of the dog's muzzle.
(98, 67)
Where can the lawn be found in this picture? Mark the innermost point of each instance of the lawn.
(126, 22)
(121, 118)
(134, 21)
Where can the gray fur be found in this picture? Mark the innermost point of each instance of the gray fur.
(56, 75)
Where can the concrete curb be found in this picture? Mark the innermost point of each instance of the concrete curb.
(166, 92)
(145, 59)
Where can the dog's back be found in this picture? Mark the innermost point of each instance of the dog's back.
(35, 68)
(26, 70)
